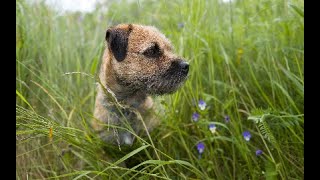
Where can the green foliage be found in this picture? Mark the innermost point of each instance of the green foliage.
(246, 61)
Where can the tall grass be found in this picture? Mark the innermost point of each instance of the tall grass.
(246, 62)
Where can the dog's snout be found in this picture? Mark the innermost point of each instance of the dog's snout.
(180, 66)
(184, 66)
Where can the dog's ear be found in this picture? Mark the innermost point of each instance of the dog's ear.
(117, 39)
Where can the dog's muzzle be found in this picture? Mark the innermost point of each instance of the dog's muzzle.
(178, 68)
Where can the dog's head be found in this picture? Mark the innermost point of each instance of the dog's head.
(142, 59)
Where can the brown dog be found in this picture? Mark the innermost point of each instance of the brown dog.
(138, 62)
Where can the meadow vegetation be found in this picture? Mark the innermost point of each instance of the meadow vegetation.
(240, 114)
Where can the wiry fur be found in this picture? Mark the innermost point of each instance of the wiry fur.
(138, 62)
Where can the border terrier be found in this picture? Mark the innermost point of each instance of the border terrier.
(138, 63)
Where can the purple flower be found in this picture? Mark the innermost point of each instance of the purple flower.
(200, 147)
(180, 25)
(195, 117)
(212, 128)
(227, 118)
(80, 18)
(246, 135)
(202, 105)
(259, 152)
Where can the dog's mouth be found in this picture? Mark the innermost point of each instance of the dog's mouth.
(166, 87)
(169, 82)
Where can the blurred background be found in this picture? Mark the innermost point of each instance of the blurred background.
(240, 114)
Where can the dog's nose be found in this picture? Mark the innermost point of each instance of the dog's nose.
(184, 66)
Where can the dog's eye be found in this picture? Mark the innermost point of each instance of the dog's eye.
(153, 51)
